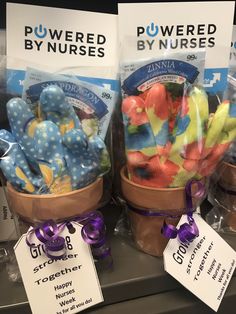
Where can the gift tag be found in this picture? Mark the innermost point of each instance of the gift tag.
(68, 285)
(8, 226)
(204, 266)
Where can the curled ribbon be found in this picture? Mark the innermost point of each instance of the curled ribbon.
(93, 233)
(188, 231)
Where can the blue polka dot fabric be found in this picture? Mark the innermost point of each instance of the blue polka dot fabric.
(82, 162)
(55, 108)
(48, 151)
(15, 166)
(23, 122)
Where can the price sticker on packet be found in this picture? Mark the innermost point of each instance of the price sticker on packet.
(204, 266)
(58, 286)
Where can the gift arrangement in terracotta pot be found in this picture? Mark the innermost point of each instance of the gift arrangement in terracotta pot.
(171, 139)
(54, 170)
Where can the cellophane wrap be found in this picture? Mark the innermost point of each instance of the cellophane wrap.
(9, 225)
(55, 145)
(222, 194)
(59, 140)
(173, 136)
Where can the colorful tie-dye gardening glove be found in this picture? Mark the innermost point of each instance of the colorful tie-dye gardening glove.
(51, 143)
(170, 136)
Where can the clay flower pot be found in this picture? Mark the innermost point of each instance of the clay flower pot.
(35, 208)
(226, 193)
(147, 229)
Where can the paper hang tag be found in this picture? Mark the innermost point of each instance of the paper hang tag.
(69, 285)
(205, 266)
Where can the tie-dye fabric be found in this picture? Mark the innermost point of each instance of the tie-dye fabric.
(171, 137)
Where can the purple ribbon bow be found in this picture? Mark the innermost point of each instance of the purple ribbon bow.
(93, 233)
(188, 231)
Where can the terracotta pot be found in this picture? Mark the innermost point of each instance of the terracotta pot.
(35, 208)
(227, 182)
(227, 174)
(147, 230)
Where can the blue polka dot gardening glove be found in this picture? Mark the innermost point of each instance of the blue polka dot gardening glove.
(82, 161)
(54, 144)
(15, 166)
(51, 157)
(54, 107)
(23, 123)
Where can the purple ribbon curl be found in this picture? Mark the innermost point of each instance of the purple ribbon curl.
(93, 233)
(188, 231)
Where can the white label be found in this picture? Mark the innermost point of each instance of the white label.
(205, 266)
(69, 285)
(166, 28)
(7, 223)
(61, 37)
